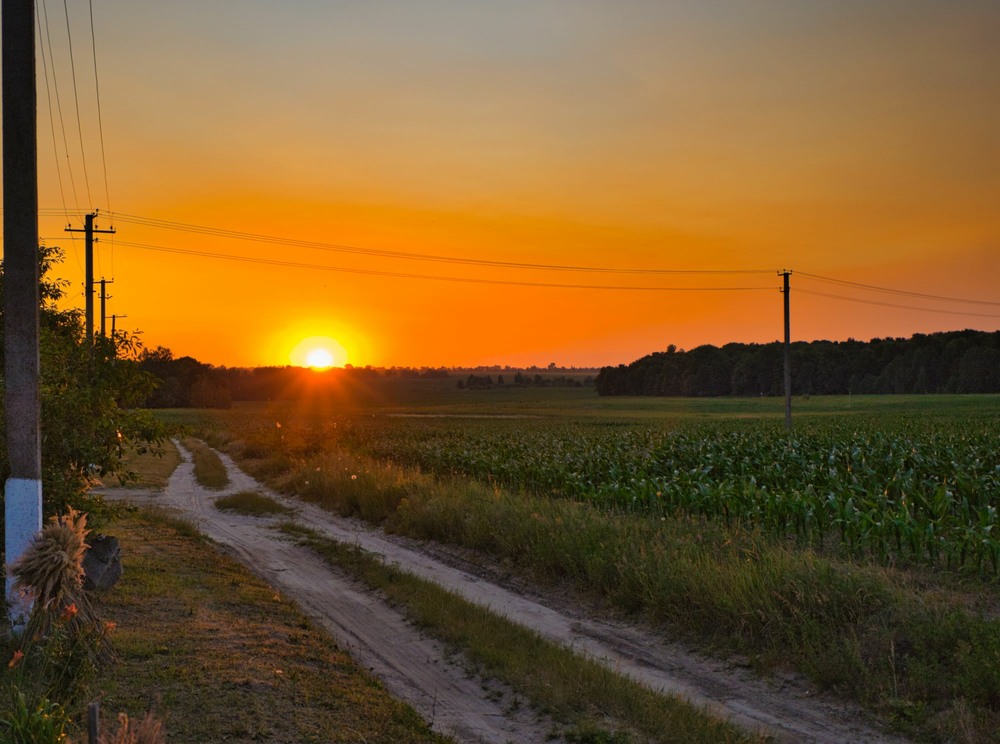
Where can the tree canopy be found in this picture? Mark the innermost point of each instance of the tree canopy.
(953, 362)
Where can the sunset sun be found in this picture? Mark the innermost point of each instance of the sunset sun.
(319, 352)
(319, 359)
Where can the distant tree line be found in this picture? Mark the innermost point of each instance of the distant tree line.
(953, 362)
(486, 382)
(185, 382)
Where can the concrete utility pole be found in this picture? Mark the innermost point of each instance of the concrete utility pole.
(104, 298)
(23, 489)
(788, 353)
(89, 230)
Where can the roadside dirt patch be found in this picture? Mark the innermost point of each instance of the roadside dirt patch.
(413, 667)
(418, 670)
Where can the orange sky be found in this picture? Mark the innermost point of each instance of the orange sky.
(852, 140)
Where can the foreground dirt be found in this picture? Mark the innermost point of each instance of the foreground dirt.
(221, 657)
(418, 669)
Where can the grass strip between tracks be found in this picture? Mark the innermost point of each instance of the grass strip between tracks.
(570, 688)
(252, 504)
(209, 469)
(151, 470)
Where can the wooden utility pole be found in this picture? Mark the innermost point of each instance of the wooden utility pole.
(104, 299)
(89, 230)
(788, 353)
(22, 410)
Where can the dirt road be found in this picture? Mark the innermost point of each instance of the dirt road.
(416, 669)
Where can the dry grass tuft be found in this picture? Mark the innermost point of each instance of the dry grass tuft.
(50, 573)
(149, 730)
(51, 569)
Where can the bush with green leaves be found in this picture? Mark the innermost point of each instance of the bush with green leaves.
(90, 395)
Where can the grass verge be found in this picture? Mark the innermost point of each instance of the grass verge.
(558, 682)
(221, 657)
(208, 468)
(916, 652)
(915, 657)
(151, 470)
(252, 504)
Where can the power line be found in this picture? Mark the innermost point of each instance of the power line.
(76, 98)
(62, 119)
(100, 118)
(342, 248)
(46, 64)
(432, 277)
(100, 129)
(52, 124)
(334, 247)
(890, 304)
(873, 288)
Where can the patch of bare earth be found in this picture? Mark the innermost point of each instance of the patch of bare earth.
(418, 670)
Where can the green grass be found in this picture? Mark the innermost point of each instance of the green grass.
(222, 657)
(891, 486)
(252, 504)
(441, 396)
(910, 653)
(209, 470)
(152, 470)
(918, 646)
(900, 488)
(431, 397)
(572, 689)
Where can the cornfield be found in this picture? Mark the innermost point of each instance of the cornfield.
(895, 488)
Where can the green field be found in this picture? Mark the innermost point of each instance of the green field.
(912, 479)
(441, 395)
(861, 549)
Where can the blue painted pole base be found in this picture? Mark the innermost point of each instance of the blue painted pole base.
(23, 515)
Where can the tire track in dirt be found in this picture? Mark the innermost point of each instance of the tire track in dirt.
(412, 666)
(785, 709)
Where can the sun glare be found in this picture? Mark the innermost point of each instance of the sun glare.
(319, 352)
(319, 359)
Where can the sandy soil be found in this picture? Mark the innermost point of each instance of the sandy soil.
(418, 669)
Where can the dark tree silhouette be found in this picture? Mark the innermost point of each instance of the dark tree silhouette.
(954, 362)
